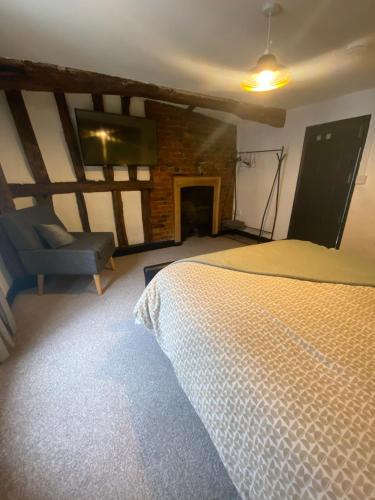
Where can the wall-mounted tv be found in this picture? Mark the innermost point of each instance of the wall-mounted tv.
(110, 139)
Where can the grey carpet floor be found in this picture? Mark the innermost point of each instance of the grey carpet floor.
(90, 407)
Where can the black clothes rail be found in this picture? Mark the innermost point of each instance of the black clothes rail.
(280, 154)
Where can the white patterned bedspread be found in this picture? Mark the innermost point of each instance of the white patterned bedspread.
(281, 373)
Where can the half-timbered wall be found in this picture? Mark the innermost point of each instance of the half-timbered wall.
(45, 120)
(38, 144)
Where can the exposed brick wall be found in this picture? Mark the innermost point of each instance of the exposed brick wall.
(188, 141)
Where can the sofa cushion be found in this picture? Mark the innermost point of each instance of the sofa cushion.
(100, 243)
(54, 235)
(87, 255)
(20, 225)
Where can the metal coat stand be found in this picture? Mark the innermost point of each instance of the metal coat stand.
(280, 154)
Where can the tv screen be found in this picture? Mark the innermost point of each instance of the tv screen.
(109, 139)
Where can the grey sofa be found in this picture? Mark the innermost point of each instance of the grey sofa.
(88, 254)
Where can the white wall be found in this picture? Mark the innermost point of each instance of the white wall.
(254, 184)
(46, 123)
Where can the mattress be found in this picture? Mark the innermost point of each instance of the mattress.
(281, 371)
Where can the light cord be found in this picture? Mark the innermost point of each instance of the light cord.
(268, 33)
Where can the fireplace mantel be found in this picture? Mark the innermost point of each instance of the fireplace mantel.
(181, 181)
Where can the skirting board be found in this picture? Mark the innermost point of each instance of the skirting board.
(144, 247)
(263, 239)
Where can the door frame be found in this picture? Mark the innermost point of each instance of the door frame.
(365, 123)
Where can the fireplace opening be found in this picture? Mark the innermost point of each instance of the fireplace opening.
(196, 211)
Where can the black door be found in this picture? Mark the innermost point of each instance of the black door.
(330, 159)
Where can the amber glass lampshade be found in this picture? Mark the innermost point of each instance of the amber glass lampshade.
(267, 75)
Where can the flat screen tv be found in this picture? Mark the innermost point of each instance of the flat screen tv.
(110, 139)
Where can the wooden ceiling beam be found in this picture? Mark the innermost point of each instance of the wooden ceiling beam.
(26, 75)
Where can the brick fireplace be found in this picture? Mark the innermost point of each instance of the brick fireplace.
(181, 182)
(194, 146)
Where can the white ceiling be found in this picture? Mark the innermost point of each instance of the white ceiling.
(199, 45)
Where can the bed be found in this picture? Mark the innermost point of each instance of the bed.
(274, 346)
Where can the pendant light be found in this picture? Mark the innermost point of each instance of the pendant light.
(267, 74)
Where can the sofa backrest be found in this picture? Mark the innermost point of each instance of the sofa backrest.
(20, 225)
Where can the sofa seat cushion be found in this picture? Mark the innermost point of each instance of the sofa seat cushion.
(88, 254)
(101, 243)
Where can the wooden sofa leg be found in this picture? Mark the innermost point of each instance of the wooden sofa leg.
(98, 284)
(40, 283)
(112, 263)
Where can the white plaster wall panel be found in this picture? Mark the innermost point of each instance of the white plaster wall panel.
(12, 157)
(46, 123)
(112, 103)
(137, 107)
(70, 218)
(143, 173)
(94, 173)
(133, 216)
(27, 201)
(100, 212)
(121, 173)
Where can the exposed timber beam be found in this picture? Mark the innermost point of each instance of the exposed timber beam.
(22, 190)
(26, 134)
(70, 136)
(26, 75)
(118, 210)
(125, 104)
(132, 169)
(98, 102)
(71, 141)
